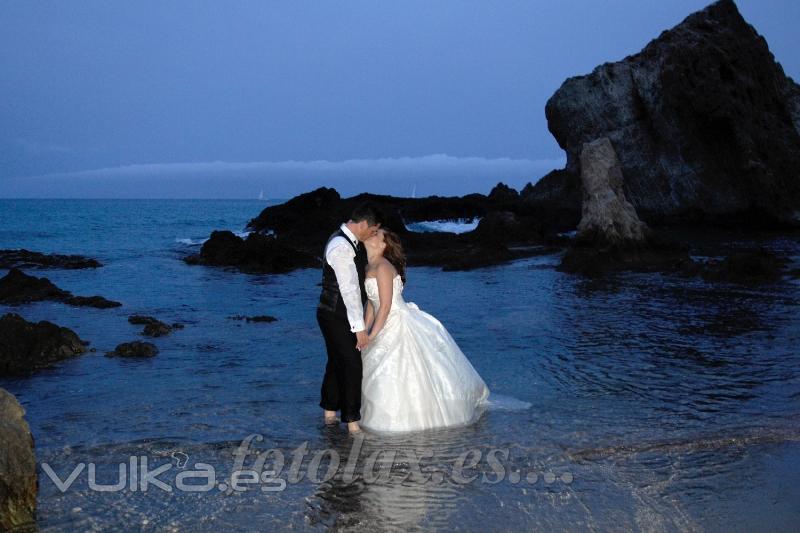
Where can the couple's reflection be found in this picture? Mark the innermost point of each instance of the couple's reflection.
(394, 482)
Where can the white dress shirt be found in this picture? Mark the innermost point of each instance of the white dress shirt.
(339, 255)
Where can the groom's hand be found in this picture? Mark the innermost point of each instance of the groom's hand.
(362, 339)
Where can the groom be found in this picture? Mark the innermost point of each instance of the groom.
(340, 314)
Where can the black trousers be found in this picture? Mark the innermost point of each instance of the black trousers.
(341, 386)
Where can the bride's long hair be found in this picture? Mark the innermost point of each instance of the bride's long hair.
(394, 252)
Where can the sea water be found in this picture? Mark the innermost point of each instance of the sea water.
(635, 401)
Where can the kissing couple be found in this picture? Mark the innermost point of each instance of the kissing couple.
(391, 366)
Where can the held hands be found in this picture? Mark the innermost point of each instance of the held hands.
(362, 340)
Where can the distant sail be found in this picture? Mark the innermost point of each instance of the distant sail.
(261, 195)
(414, 191)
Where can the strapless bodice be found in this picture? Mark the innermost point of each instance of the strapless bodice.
(371, 286)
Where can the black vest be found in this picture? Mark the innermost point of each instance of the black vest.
(330, 300)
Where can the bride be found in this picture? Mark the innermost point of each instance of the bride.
(414, 374)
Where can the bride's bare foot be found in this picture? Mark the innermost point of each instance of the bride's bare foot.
(353, 427)
(330, 417)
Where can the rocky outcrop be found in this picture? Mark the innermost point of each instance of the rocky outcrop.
(257, 254)
(27, 346)
(295, 232)
(557, 197)
(16, 288)
(501, 194)
(26, 259)
(704, 122)
(19, 483)
(610, 235)
(313, 216)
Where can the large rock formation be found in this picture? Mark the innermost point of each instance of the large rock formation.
(704, 121)
(27, 346)
(18, 479)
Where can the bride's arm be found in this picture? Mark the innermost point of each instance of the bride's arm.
(385, 276)
(369, 315)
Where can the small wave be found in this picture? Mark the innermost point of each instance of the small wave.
(190, 242)
(461, 225)
(506, 403)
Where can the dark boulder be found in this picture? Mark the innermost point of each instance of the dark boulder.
(257, 254)
(27, 346)
(152, 326)
(156, 330)
(135, 349)
(704, 122)
(16, 287)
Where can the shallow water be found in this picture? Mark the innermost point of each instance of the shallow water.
(657, 403)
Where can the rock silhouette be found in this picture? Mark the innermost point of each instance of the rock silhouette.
(705, 123)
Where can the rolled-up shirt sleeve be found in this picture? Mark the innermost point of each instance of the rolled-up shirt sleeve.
(340, 257)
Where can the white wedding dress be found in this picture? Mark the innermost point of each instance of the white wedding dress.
(415, 376)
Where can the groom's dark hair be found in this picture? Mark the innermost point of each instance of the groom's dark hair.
(367, 211)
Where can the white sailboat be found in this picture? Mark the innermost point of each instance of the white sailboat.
(261, 195)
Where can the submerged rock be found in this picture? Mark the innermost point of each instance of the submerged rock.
(91, 301)
(19, 483)
(704, 121)
(256, 318)
(657, 254)
(745, 266)
(22, 258)
(27, 346)
(134, 349)
(152, 326)
(16, 287)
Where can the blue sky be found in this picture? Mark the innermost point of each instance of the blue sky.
(224, 99)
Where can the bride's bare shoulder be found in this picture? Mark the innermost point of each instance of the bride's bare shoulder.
(385, 269)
